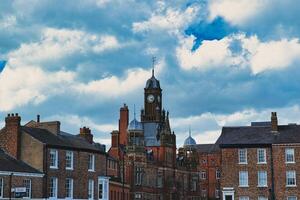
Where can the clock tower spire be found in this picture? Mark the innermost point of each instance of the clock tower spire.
(152, 99)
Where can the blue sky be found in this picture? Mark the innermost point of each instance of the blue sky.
(220, 62)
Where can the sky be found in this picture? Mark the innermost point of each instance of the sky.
(219, 62)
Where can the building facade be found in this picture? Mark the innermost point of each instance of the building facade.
(260, 161)
(73, 166)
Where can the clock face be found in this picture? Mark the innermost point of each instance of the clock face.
(150, 98)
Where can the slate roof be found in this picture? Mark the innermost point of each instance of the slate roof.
(207, 148)
(63, 139)
(259, 135)
(10, 164)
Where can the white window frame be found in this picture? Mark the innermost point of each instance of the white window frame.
(262, 198)
(218, 174)
(55, 166)
(288, 173)
(104, 181)
(246, 155)
(243, 198)
(1, 188)
(30, 188)
(217, 193)
(203, 175)
(264, 156)
(91, 189)
(72, 160)
(260, 175)
(55, 186)
(71, 188)
(246, 179)
(286, 155)
(93, 163)
(292, 198)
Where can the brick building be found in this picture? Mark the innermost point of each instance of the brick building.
(73, 165)
(261, 161)
(147, 156)
(18, 177)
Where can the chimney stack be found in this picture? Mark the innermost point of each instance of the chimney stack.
(11, 135)
(123, 124)
(86, 134)
(274, 122)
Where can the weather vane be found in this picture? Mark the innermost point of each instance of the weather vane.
(153, 64)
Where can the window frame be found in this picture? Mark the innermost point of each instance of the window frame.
(289, 197)
(93, 163)
(244, 198)
(30, 187)
(1, 187)
(264, 156)
(217, 193)
(105, 188)
(294, 177)
(52, 186)
(246, 178)
(71, 188)
(259, 176)
(55, 166)
(262, 198)
(286, 155)
(91, 183)
(246, 155)
(71, 161)
(203, 175)
(218, 174)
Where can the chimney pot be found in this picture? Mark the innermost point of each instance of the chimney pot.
(38, 118)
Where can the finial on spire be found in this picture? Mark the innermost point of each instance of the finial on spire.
(190, 132)
(134, 111)
(153, 64)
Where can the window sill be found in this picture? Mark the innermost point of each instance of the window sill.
(53, 167)
(262, 186)
(91, 170)
(242, 163)
(69, 168)
(262, 163)
(243, 186)
(291, 186)
(290, 162)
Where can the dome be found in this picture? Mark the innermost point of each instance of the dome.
(189, 141)
(135, 125)
(152, 82)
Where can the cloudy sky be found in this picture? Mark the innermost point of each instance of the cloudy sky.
(220, 62)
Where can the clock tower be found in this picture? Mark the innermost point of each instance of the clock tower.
(152, 101)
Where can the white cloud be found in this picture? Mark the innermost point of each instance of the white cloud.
(259, 56)
(19, 86)
(58, 43)
(206, 128)
(236, 12)
(8, 21)
(113, 86)
(171, 19)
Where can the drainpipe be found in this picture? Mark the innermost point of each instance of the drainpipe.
(10, 184)
(272, 176)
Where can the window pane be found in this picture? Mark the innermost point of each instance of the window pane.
(243, 178)
(292, 198)
(289, 155)
(291, 178)
(27, 185)
(91, 189)
(1, 187)
(261, 155)
(244, 198)
(262, 178)
(242, 156)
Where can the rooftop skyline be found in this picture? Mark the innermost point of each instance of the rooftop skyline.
(219, 62)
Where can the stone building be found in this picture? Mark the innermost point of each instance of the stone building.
(74, 166)
(261, 161)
